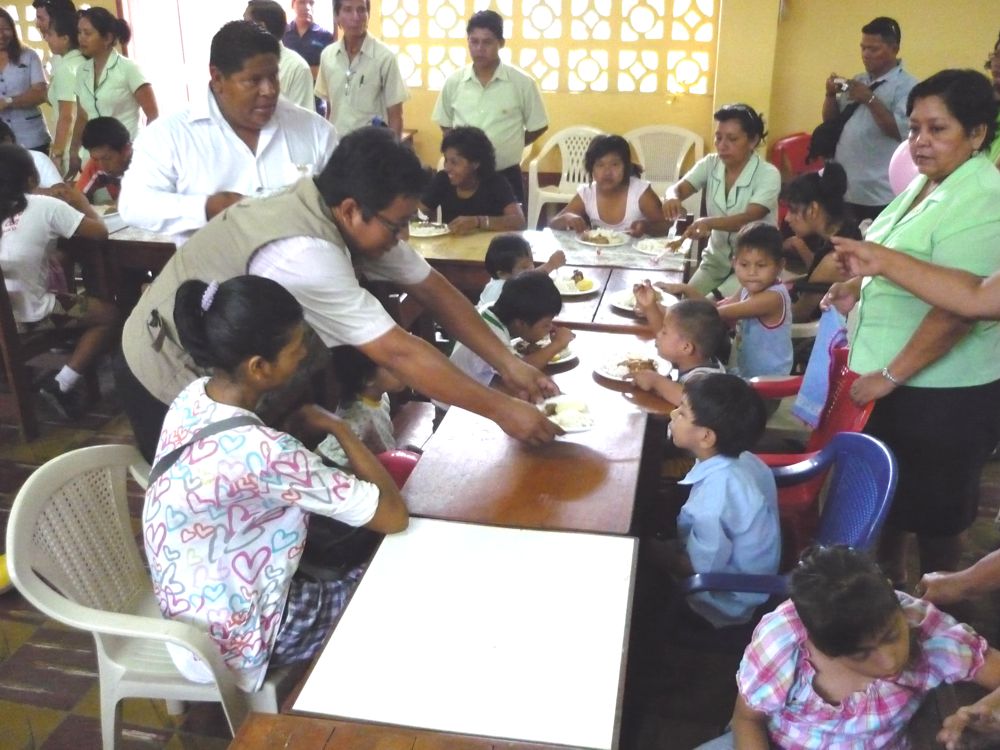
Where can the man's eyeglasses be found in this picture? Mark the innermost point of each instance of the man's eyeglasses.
(394, 228)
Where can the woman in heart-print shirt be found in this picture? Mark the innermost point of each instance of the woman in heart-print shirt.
(225, 524)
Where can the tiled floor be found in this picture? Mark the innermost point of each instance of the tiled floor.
(679, 693)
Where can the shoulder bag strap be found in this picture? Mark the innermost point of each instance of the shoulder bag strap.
(170, 459)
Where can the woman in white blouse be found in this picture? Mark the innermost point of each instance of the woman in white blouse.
(107, 84)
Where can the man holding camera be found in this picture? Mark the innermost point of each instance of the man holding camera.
(877, 121)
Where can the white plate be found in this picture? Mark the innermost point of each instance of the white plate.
(658, 246)
(624, 300)
(567, 287)
(428, 230)
(612, 370)
(581, 421)
(615, 239)
(566, 355)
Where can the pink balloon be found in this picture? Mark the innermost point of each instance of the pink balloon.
(902, 170)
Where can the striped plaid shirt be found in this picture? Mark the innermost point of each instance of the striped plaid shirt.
(776, 678)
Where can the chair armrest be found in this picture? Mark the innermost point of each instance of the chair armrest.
(776, 460)
(810, 465)
(780, 386)
(775, 585)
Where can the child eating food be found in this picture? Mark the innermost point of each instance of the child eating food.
(846, 662)
(762, 309)
(616, 198)
(729, 523)
(506, 257)
(525, 309)
(692, 338)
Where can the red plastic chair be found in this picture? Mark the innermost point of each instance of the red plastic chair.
(798, 506)
(788, 154)
(399, 464)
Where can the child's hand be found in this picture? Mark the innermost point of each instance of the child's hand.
(638, 228)
(561, 337)
(463, 225)
(644, 294)
(556, 260)
(574, 223)
(647, 379)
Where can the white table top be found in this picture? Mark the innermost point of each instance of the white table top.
(508, 633)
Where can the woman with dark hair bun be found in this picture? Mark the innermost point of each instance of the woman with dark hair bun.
(107, 84)
(217, 460)
(471, 194)
(617, 198)
(739, 187)
(816, 212)
(61, 36)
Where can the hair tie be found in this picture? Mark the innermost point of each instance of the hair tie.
(208, 296)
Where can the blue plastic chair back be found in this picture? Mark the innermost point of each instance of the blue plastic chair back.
(860, 488)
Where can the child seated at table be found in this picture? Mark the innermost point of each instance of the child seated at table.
(692, 338)
(617, 198)
(506, 257)
(525, 309)
(28, 223)
(729, 523)
(762, 309)
(363, 403)
(263, 483)
(847, 661)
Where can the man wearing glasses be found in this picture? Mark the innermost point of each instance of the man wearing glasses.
(242, 139)
(359, 76)
(877, 122)
(315, 240)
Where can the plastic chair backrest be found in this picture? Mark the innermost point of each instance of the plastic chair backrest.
(789, 154)
(572, 144)
(859, 491)
(662, 151)
(840, 413)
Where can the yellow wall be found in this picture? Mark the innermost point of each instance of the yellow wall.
(777, 64)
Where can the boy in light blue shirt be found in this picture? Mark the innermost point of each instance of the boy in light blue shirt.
(729, 523)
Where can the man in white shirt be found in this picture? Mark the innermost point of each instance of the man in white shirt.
(501, 100)
(359, 76)
(294, 74)
(242, 140)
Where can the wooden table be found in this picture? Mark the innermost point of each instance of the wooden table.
(293, 732)
(611, 318)
(472, 471)
(484, 631)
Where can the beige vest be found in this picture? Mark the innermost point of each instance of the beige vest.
(219, 251)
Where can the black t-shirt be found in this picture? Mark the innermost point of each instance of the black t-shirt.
(492, 196)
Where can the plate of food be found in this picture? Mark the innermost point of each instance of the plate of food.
(603, 238)
(570, 413)
(659, 245)
(523, 347)
(575, 285)
(624, 300)
(427, 229)
(623, 366)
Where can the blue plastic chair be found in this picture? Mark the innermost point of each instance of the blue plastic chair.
(862, 481)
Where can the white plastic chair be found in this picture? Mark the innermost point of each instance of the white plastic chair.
(662, 151)
(572, 144)
(71, 553)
